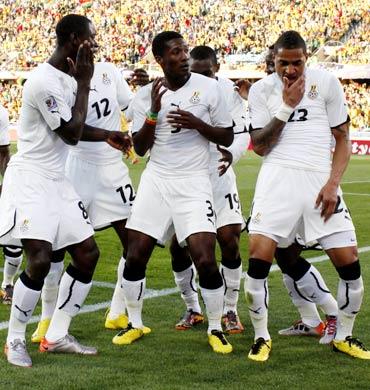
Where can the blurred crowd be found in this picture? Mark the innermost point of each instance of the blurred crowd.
(126, 28)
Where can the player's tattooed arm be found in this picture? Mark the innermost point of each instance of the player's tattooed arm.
(266, 138)
(327, 197)
(263, 140)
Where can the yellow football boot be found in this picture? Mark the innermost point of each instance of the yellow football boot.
(218, 342)
(119, 322)
(352, 347)
(260, 350)
(40, 332)
(127, 336)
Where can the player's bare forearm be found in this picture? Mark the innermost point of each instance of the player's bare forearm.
(71, 131)
(342, 153)
(265, 139)
(4, 158)
(223, 136)
(93, 134)
(144, 139)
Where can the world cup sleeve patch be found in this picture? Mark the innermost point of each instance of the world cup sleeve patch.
(51, 104)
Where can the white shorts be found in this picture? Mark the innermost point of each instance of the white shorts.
(106, 190)
(35, 207)
(162, 205)
(226, 199)
(284, 204)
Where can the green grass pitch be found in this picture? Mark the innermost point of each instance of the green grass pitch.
(169, 359)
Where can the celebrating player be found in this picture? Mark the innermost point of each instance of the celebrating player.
(172, 118)
(294, 114)
(229, 219)
(39, 207)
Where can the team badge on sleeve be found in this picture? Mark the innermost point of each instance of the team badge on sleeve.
(51, 104)
(313, 93)
(195, 97)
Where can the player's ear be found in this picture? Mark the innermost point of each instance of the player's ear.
(159, 59)
(74, 39)
(217, 67)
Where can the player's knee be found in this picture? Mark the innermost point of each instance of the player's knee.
(205, 265)
(86, 259)
(350, 271)
(229, 247)
(258, 269)
(38, 262)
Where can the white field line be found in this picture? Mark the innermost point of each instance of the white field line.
(355, 182)
(355, 193)
(157, 293)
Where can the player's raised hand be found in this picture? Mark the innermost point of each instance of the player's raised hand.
(293, 93)
(242, 86)
(119, 140)
(82, 70)
(157, 94)
(327, 198)
(226, 160)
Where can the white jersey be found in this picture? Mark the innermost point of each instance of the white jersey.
(306, 139)
(109, 95)
(4, 126)
(182, 152)
(236, 107)
(48, 97)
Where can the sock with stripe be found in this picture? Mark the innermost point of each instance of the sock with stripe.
(185, 281)
(25, 297)
(133, 291)
(73, 290)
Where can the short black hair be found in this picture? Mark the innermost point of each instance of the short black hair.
(160, 41)
(204, 53)
(69, 24)
(290, 40)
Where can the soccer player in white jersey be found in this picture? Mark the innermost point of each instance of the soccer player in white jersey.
(12, 254)
(176, 117)
(229, 219)
(294, 114)
(39, 207)
(293, 267)
(102, 180)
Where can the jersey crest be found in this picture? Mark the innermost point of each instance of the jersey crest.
(313, 93)
(106, 79)
(195, 97)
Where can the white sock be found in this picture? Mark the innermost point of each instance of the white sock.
(307, 309)
(213, 301)
(231, 279)
(257, 295)
(118, 307)
(313, 287)
(350, 293)
(134, 297)
(185, 281)
(11, 267)
(24, 302)
(72, 294)
(49, 292)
